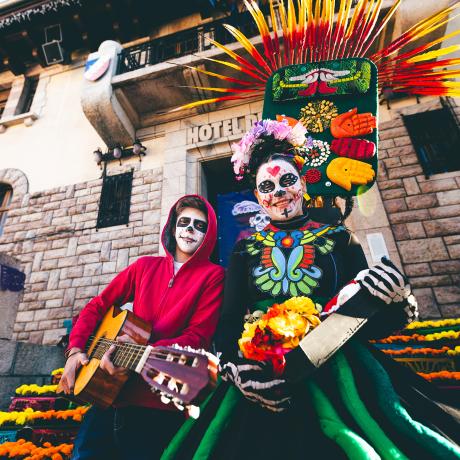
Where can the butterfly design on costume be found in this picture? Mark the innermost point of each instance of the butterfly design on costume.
(287, 258)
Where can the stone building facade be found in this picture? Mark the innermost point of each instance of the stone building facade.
(53, 236)
(424, 215)
(46, 157)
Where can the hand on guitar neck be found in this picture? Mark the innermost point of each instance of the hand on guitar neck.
(106, 362)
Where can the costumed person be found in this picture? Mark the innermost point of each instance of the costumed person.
(180, 295)
(318, 137)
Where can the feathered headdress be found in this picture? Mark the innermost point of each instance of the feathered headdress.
(316, 67)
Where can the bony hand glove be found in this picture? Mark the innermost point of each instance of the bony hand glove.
(386, 282)
(257, 383)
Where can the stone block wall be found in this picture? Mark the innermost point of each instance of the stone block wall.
(424, 215)
(25, 363)
(66, 261)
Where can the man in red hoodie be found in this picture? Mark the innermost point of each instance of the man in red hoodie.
(180, 295)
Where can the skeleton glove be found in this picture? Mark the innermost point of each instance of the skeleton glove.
(257, 383)
(386, 282)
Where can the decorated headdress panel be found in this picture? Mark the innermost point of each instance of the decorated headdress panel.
(319, 77)
(336, 101)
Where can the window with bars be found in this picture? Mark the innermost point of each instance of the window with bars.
(4, 93)
(436, 136)
(115, 200)
(27, 98)
(6, 193)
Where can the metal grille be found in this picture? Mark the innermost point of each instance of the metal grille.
(115, 200)
(436, 137)
(183, 43)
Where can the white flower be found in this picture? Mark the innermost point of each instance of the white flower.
(297, 135)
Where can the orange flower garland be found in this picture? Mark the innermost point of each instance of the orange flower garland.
(30, 451)
(441, 375)
(419, 351)
(29, 415)
(451, 335)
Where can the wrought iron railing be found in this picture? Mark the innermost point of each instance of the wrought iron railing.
(183, 43)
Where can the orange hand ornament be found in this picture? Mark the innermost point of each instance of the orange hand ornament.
(346, 172)
(291, 121)
(352, 123)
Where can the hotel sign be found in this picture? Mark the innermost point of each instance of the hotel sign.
(221, 129)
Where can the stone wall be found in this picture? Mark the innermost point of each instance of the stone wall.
(66, 260)
(9, 301)
(425, 218)
(25, 363)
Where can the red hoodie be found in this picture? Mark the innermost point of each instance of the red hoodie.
(182, 308)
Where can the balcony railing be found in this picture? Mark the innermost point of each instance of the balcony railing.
(183, 43)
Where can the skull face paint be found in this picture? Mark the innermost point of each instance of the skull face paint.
(279, 190)
(259, 221)
(191, 228)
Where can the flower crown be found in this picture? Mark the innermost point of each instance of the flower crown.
(292, 132)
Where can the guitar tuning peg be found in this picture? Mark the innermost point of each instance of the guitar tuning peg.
(178, 403)
(165, 399)
(193, 411)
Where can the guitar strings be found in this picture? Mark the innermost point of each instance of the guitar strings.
(131, 353)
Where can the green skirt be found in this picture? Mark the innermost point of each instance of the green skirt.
(361, 405)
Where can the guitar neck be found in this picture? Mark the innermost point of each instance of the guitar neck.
(128, 355)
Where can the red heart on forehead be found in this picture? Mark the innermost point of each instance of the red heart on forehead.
(274, 171)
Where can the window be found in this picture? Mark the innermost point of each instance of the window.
(4, 93)
(436, 137)
(115, 200)
(30, 87)
(6, 193)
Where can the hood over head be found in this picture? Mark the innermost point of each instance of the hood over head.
(204, 251)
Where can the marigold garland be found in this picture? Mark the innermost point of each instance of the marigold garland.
(275, 333)
(441, 375)
(29, 451)
(433, 323)
(419, 351)
(58, 371)
(33, 389)
(451, 335)
(30, 416)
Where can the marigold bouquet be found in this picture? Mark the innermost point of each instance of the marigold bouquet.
(269, 336)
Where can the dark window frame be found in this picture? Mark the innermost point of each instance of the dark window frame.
(435, 135)
(4, 94)
(115, 201)
(6, 195)
(28, 94)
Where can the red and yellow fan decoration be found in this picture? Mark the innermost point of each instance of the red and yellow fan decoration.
(310, 31)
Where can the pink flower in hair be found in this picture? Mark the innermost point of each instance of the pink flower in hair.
(280, 130)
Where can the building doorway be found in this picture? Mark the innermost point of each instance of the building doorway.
(235, 205)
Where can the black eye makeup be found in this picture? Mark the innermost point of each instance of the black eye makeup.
(266, 186)
(198, 224)
(288, 179)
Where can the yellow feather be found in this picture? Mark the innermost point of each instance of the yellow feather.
(434, 54)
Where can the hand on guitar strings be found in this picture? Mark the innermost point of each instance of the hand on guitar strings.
(106, 363)
(77, 358)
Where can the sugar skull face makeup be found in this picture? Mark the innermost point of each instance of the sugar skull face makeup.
(191, 228)
(279, 190)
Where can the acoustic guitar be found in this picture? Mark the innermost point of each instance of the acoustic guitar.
(181, 375)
